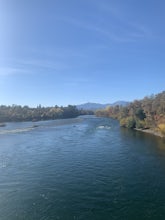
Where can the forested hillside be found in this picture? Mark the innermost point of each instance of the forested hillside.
(25, 113)
(141, 114)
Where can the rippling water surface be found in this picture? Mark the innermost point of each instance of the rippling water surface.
(85, 168)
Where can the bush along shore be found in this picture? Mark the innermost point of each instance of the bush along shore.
(18, 113)
(147, 115)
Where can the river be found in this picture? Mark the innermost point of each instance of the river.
(86, 168)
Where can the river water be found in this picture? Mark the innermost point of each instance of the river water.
(86, 168)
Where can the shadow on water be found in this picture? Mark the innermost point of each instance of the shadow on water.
(150, 139)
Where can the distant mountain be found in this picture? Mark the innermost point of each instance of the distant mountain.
(120, 103)
(91, 106)
(95, 106)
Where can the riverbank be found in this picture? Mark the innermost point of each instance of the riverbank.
(150, 131)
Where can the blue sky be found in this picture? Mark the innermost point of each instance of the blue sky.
(74, 51)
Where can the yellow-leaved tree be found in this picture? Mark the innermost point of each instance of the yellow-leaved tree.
(162, 128)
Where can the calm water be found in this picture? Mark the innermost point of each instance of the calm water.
(86, 168)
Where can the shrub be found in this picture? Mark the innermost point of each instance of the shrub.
(123, 122)
(140, 124)
(128, 122)
(162, 128)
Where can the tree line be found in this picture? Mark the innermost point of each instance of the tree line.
(141, 114)
(16, 113)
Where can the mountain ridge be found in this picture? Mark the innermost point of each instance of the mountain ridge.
(95, 106)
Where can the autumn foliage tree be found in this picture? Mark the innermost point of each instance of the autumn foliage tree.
(146, 113)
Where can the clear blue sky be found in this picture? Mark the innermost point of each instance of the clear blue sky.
(74, 51)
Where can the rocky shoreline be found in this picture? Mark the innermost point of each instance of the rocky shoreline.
(150, 131)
